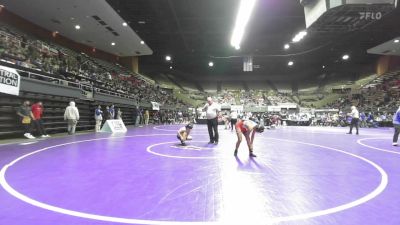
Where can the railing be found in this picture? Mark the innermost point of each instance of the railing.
(84, 87)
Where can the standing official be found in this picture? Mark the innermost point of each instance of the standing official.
(212, 110)
(355, 117)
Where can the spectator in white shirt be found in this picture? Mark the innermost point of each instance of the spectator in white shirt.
(72, 116)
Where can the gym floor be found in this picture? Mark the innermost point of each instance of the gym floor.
(302, 175)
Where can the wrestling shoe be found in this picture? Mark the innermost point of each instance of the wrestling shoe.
(252, 155)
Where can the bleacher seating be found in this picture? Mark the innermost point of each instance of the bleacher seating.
(22, 51)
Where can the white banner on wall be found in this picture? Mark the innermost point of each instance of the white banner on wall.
(10, 81)
(238, 108)
(155, 105)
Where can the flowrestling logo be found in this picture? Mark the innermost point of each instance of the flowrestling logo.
(9, 81)
(370, 15)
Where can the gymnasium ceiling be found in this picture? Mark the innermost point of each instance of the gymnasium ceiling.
(99, 24)
(195, 32)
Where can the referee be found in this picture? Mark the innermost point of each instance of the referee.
(355, 117)
(212, 110)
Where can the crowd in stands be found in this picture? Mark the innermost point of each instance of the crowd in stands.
(377, 97)
(249, 98)
(226, 97)
(278, 98)
(252, 98)
(19, 49)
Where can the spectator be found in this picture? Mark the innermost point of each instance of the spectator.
(396, 124)
(146, 117)
(111, 112)
(107, 116)
(179, 116)
(98, 116)
(234, 117)
(119, 114)
(141, 116)
(72, 116)
(37, 111)
(162, 117)
(136, 117)
(25, 112)
(156, 117)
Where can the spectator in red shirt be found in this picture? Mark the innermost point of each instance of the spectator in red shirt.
(37, 111)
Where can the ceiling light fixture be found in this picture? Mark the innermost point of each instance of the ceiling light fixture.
(77, 27)
(168, 58)
(112, 43)
(210, 64)
(290, 63)
(396, 41)
(54, 34)
(299, 36)
(124, 24)
(345, 57)
(170, 67)
(142, 42)
(242, 18)
(287, 46)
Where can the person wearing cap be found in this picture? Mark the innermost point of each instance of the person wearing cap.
(183, 133)
(248, 129)
(355, 117)
(396, 125)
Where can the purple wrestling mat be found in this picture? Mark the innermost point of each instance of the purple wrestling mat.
(302, 175)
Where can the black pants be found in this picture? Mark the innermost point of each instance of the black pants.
(27, 128)
(212, 125)
(396, 133)
(233, 123)
(39, 126)
(354, 122)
